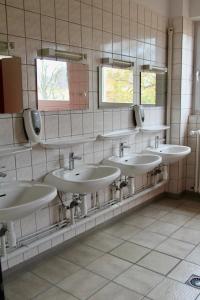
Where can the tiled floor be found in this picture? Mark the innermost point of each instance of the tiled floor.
(146, 255)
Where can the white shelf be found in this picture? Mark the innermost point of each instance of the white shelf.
(154, 129)
(117, 134)
(12, 150)
(61, 143)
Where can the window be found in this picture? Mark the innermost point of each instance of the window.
(115, 86)
(153, 88)
(197, 67)
(62, 85)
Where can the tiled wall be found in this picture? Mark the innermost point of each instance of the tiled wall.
(98, 28)
(181, 95)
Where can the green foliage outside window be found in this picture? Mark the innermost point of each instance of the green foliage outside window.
(148, 88)
(117, 85)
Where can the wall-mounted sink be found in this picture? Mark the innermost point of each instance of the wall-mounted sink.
(170, 153)
(136, 164)
(20, 198)
(85, 179)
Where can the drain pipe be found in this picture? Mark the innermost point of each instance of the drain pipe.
(169, 82)
(131, 185)
(93, 200)
(2, 294)
(3, 231)
(12, 240)
(83, 205)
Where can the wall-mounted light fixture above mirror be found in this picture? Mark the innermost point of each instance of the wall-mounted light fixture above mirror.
(61, 84)
(116, 87)
(153, 85)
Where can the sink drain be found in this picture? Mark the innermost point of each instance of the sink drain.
(194, 281)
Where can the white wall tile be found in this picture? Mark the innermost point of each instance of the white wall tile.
(98, 28)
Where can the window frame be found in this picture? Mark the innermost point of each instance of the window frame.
(196, 69)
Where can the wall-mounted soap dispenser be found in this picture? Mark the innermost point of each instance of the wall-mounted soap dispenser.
(139, 117)
(33, 125)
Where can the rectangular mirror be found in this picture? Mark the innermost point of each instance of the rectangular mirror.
(62, 85)
(11, 96)
(153, 88)
(115, 86)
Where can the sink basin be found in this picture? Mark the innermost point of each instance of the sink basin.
(85, 179)
(170, 153)
(136, 164)
(21, 198)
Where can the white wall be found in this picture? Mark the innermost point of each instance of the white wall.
(186, 8)
(179, 8)
(195, 9)
(160, 6)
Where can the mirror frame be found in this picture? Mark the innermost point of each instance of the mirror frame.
(102, 104)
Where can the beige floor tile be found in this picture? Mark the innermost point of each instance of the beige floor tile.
(25, 286)
(139, 279)
(103, 242)
(169, 202)
(169, 289)
(158, 262)
(175, 248)
(159, 206)
(82, 284)
(54, 269)
(80, 254)
(193, 224)
(162, 228)
(109, 266)
(197, 216)
(176, 219)
(191, 203)
(186, 210)
(122, 230)
(113, 291)
(187, 235)
(130, 252)
(194, 256)
(152, 212)
(139, 221)
(55, 293)
(148, 239)
(184, 270)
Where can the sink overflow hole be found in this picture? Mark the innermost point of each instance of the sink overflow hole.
(77, 174)
(194, 281)
(3, 195)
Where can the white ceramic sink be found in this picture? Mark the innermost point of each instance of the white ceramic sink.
(85, 179)
(21, 198)
(136, 164)
(170, 153)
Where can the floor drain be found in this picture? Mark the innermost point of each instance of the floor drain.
(194, 281)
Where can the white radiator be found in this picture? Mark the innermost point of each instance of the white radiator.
(197, 167)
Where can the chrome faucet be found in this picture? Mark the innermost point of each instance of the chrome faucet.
(72, 158)
(157, 140)
(121, 149)
(2, 175)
